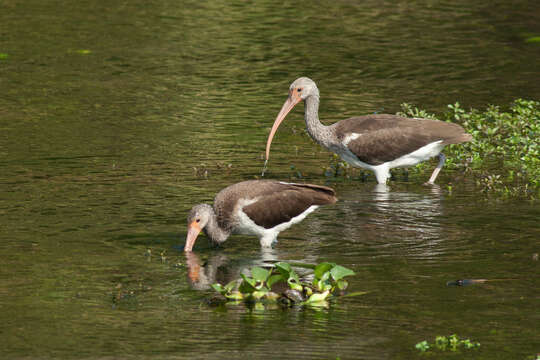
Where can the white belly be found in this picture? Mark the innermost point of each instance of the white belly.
(382, 171)
(246, 226)
(424, 153)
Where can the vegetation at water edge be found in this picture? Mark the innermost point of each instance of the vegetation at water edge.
(503, 158)
(281, 284)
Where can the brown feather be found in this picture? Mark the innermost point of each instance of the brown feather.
(276, 203)
(387, 137)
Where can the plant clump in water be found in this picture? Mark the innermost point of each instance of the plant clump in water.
(447, 343)
(282, 285)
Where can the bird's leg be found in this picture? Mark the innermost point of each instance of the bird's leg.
(264, 167)
(442, 158)
(382, 173)
(268, 240)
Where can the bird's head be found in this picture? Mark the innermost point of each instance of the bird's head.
(303, 87)
(197, 220)
(300, 89)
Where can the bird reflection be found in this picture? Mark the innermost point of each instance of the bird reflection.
(219, 268)
(201, 276)
(396, 219)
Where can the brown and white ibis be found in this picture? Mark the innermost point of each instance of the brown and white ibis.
(376, 142)
(256, 207)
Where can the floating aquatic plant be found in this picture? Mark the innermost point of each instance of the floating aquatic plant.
(447, 343)
(282, 284)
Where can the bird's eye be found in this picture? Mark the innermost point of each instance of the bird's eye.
(299, 90)
(198, 220)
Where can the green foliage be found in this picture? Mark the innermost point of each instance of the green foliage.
(328, 278)
(504, 155)
(533, 39)
(422, 346)
(228, 291)
(336, 168)
(410, 111)
(447, 343)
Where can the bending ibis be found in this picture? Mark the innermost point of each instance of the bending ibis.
(256, 207)
(377, 142)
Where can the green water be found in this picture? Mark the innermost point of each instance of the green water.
(116, 117)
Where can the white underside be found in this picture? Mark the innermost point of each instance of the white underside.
(267, 237)
(382, 171)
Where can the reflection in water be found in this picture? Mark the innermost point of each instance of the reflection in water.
(201, 276)
(393, 221)
(103, 152)
(415, 215)
(219, 268)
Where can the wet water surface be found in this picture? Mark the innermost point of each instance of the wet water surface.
(117, 117)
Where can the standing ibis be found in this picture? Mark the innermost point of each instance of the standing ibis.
(376, 142)
(256, 207)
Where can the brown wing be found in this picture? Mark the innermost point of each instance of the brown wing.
(277, 202)
(387, 137)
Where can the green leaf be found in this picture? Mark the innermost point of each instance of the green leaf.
(318, 297)
(259, 273)
(339, 272)
(248, 285)
(235, 295)
(246, 288)
(219, 288)
(326, 287)
(422, 346)
(533, 39)
(283, 267)
(275, 279)
(342, 284)
(259, 294)
(295, 285)
(249, 280)
(324, 277)
(356, 293)
(230, 285)
(320, 285)
(294, 276)
(321, 268)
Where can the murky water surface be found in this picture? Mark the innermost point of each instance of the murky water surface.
(116, 117)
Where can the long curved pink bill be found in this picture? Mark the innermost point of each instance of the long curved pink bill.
(193, 232)
(287, 106)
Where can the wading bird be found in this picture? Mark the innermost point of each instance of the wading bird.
(256, 207)
(377, 142)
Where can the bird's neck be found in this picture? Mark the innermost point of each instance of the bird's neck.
(214, 231)
(319, 132)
